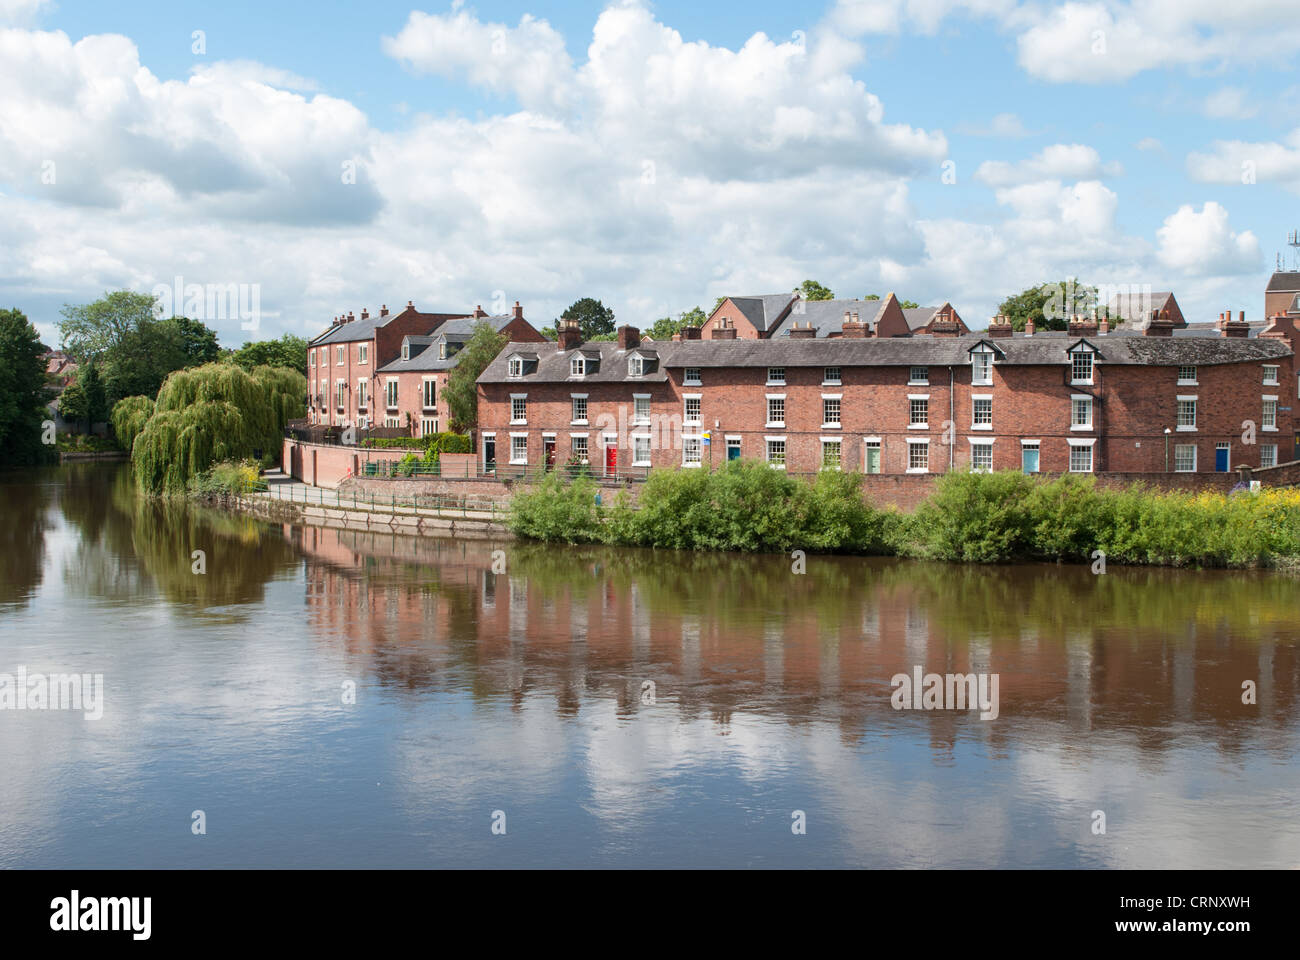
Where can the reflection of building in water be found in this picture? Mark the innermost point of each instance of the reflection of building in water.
(1135, 651)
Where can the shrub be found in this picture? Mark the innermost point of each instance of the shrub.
(230, 477)
(557, 511)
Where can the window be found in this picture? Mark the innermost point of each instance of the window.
(982, 413)
(1187, 376)
(363, 353)
(776, 410)
(1186, 413)
(831, 454)
(831, 375)
(363, 423)
(1081, 366)
(1081, 413)
(918, 457)
(577, 367)
(981, 457)
(733, 448)
(338, 355)
(428, 426)
(872, 456)
(981, 366)
(429, 393)
(392, 421)
(518, 448)
(390, 393)
(340, 390)
(1185, 458)
(830, 411)
(363, 394)
(1029, 456)
(919, 411)
(311, 358)
(1080, 458)
(692, 376)
(442, 349)
(579, 408)
(640, 450)
(640, 408)
(1270, 414)
(776, 452)
(579, 448)
(692, 450)
(518, 408)
(919, 376)
(1270, 375)
(636, 366)
(691, 414)
(1268, 454)
(406, 351)
(776, 374)
(516, 367)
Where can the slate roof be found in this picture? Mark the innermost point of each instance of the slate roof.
(1283, 281)
(764, 309)
(1138, 306)
(827, 316)
(357, 329)
(553, 363)
(424, 353)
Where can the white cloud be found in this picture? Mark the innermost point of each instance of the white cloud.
(1149, 144)
(1006, 126)
(1204, 243)
(1065, 161)
(1243, 162)
(20, 11)
(1230, 103)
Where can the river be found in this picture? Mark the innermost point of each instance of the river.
(307, 697)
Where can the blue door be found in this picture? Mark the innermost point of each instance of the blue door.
(1029, 459)
(1221, 459)
(733, 449)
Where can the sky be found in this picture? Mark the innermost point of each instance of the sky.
(325, 157)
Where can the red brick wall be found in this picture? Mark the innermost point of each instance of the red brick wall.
(728, 310)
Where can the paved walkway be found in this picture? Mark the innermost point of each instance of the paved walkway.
(282, 487)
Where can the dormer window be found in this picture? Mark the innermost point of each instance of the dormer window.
(636, 366)
(442, 349)
(1081, 364)
(406, 351)
(981, 366)
(516, 367)
(578, 367)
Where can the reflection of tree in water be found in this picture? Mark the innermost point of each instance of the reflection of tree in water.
(128, 540)
(22, 535)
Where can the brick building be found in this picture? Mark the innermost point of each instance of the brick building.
(388, 370)
(1147, 398)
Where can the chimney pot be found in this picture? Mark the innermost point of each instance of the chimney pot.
(628, 337)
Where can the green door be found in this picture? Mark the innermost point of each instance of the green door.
(873, 458)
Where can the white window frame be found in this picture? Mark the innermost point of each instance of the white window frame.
(837, 424)
(1092, 413)
(1083, 351)
(428, 426)
(976, 398)
(637, 462)
(425, 384)
(576, 421)
(1264, 424)
(363, 393)
(832, 381)
(636, 366)
(515, 368)
(311, 359)
(767, 410)
(1274, 381)
(692, 442)
(1184, 446)
(578, 366)
(390, 393)
(987, 379)
(586, 445)
(767, 452)
(838, 441)
(1271, 450)
(917, 425)
(523, 398)
(340, 354)
(1080, 444)
(1178, 413)
(518, 461)
(687, 419)
(691, 377)
(1184, 381)
(913, 380)
(773, 380)
(918, 442)
(637, 400)
(981, 443)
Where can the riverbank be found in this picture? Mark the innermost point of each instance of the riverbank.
(971, 518)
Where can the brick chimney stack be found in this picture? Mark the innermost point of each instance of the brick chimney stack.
(1082, 326)
(1029, 327)
(569, 334)
(479, 311)
(806, 332)
(1234, 328)
(1000, 326)
(853, 328)
(724, 330)
(365, 313)
(1159, 325)
(519, 311)
(628, 337)
(383, 310)
(690, 332)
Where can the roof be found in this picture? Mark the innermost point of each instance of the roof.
(764, 309)
(826, 316)
(1138, 306)
(553, 363)
(424, 358)
(1283, 281)
(360, 329)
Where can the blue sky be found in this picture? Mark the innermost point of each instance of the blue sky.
(654, 156)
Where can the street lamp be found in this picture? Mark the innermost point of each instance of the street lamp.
(1167, 432)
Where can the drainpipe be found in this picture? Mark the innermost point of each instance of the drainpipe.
(1167, 432)
(952, 415)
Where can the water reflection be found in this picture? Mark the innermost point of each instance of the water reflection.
(511, 676)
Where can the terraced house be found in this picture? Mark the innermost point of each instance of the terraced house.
(1156, 397)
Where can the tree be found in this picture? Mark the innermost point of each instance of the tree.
(23, 394)
(812, 290)
(289, 351)
(1049, 304)
(872, 296)
(82, 401)
(665, 327)
(905, 304)
(74, 405)
(197, 341)
(461, 391)
(134, 349)
(594, 318)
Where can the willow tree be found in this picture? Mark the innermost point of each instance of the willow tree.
(129, 416)
(212, 413)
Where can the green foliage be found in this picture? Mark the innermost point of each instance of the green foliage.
(434, 443)
(128, 418)
(197, 342)
(1049, 304)
(82, 401)
(812, 290)
(461, 391)
(23, 393)
(74, 406)
(85, 443)
(212, 413)
(229, 478)
(288, 351)
(905, 304)
(665, 327)
(557, 511)
(594, 318)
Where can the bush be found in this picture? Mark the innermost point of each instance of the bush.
(556, 511)
(434, 443)
(230, 478)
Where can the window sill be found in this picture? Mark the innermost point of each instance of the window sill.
(1085, 383)
(918, 469)
(1268, 429)
(518, 463)
(518, 423)
(777, 466)
(1185, 430)
(1082, 428)
(918, 426)
(775, 424)
(1192, 383)
(981, 426)
(688, 466)
(836, 383)
(578, 423)
(832, 426)
(918, 383)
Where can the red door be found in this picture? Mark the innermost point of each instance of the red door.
(611, 458)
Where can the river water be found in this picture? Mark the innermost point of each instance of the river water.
(330, 698)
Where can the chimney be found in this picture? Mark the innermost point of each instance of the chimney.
(806, 332)
(365, 313)
(628, 337)
(519, 311)
(479, 311)
(569, 334)
(724, 330)
(350, 317)
(1000, 326)
(1082, 326)
(1159, 325)
(690, 332)
(1281, 327)
(410, 304)
(1234, 328)
(383, 310)
(1029, 327)
(1103, 327)
(677, 337)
